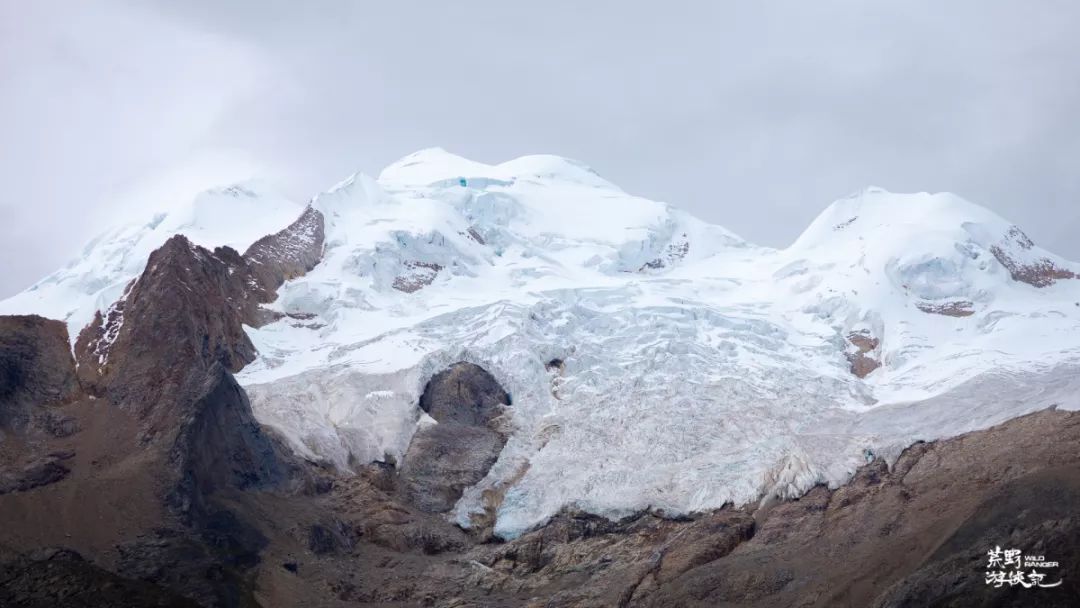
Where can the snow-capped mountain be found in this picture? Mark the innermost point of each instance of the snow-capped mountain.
(234, 216)
(654, 360)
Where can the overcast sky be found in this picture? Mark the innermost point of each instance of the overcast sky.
(752, 115)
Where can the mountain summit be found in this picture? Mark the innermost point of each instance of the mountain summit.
(517, 384)
(650, 360)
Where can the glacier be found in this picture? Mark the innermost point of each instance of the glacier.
(695, 369)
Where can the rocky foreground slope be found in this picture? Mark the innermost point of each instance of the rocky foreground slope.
(430, 389)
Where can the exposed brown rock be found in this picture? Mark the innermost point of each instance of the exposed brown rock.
(862, 359)
(183, 314)
(958, 308)
(285, 255)
(212, 295)
(417, 276)
(464, 393)
(172, 436)
(41, 473)
(1040, 273)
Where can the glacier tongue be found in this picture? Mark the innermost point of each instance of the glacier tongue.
(654, 361)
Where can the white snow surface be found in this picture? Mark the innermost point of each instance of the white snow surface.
(699, 369)
(236, 216)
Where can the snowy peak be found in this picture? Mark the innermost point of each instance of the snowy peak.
(942, 230)
(655, 360)
(234, 216)
(436, 221)
(893, 220)
(435, 166)
(430, 166)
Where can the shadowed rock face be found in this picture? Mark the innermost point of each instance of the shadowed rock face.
(465, 394)
(1028, 513)
(221, 446)
(35, 368)
(170, 424)
(443, 459)
(52, 577)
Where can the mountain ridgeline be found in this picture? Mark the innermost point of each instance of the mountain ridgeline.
(462, 384)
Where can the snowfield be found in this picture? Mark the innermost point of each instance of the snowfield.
(696, 368)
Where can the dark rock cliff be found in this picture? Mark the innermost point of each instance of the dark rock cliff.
(36, 369)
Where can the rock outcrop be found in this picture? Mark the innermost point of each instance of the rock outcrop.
(164, 418)
(210, 296)
(1037, 272)
(36, 369)
(285, 255)
(58, 577)
(864, 356)
(958, 308)
(466, 404)
(416, 276)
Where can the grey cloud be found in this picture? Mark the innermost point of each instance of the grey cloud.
(753, 116)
